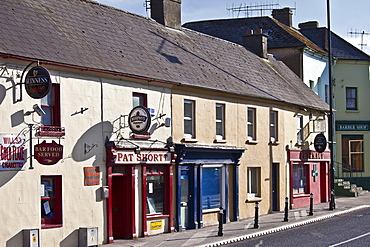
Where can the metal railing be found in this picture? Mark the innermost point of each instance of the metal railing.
(341, 171)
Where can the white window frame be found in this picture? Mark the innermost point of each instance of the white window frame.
(273, 126)
(299, 129)
(220, 120)
(254, 180)
(251, 124)
(190, 118)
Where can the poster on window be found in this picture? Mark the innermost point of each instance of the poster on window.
(12, 157)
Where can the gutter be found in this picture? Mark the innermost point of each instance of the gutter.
(7, 56)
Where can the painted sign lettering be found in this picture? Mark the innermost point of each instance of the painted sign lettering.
(12, 152)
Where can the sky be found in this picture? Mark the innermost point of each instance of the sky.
(349, 19)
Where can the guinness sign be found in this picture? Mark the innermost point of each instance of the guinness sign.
(38, 82)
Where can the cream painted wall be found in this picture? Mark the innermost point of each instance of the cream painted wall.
(258, 154)
(108, 100)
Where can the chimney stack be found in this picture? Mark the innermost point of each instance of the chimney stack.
(166, 12)
(309, 25)
(256, 43)
(283, 15)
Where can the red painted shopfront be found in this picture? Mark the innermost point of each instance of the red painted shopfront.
(309, 173)
(140, 192)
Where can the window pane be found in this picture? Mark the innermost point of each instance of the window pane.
(251, 124)
(211, 179)
(220, 121)
(188, 119)
(155, 194)
(299, 179)
(351, 98)
(273, 126)
(253, 181)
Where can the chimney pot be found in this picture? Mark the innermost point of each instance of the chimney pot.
(250, 32)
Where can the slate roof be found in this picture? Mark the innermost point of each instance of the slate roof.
(90, 35)
(279, 35)
(341, 49)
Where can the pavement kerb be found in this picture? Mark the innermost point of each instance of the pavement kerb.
(282, 228)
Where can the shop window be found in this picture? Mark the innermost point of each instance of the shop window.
(51, 201)
(299, 129)
(353, 153)
(51, 106)
(139, 99)
(299, 179)
(351, 98)
(254, 182)
(211, 187)
(220, 121)
(251, 124)
(273, 126)
(155, 189)
(189, 119)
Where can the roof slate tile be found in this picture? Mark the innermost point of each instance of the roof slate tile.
(90, 35)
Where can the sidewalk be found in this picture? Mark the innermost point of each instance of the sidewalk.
(243, 229)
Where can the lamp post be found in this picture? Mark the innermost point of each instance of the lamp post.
(331, 118)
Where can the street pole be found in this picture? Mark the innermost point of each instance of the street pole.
(331, 117)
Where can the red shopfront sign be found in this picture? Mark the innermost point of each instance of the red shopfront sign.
(144, 157)
(48, 153)
(299, 155)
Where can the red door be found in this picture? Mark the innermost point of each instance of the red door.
(121, 207)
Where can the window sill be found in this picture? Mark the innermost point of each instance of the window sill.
(301, 195)
(190, 140)
(274, 143)
(211, 210)
(352, 111)
(254, 199)
(47, 226)
(251, 142)
(219, 141)
(157, 216)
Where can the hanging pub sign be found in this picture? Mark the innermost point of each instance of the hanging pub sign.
(37, 82)
(12, 156)
(48, 153)
(320, 143)
(139, 120)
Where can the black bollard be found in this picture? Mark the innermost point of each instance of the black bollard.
(256, 216)
(311, 205)
(220, 222)
(286, 210)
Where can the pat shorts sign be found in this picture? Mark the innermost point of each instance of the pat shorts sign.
(38, 82)
(48, 153)
(139, 120)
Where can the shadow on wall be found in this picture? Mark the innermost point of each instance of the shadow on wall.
(16, 240)
(70, 240)
(92, 143)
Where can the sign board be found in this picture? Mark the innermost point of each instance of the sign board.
(12, 156)
(146, 157)
(320, 143)
(139, 120)
(91, 176)
(48, 153)
(155, 225)
(352, 125)
(38, 82)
